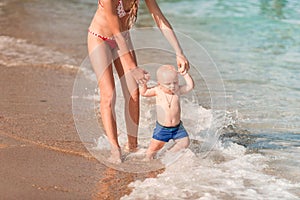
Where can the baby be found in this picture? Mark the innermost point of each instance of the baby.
(168, 124)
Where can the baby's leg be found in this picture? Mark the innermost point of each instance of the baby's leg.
(153, 148)
(180, 144)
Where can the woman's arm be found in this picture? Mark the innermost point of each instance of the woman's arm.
(168, 32)
(127, 59)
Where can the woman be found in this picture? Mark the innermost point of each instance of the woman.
(109, 42)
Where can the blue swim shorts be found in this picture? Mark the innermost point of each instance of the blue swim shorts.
(164, 134)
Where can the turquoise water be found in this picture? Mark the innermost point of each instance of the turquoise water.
(256, 45)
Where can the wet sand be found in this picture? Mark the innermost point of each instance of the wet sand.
(41, 154)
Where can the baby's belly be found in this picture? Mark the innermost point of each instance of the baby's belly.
(168, 118)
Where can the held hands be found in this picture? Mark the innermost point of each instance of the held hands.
(140, 75)
(183, 72)
(183, 64)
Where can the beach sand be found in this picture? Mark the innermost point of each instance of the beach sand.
(41, 154)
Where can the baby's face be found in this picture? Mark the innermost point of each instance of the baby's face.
(170, 83)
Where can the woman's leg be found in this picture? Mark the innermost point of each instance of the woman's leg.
(132, 104)
(101, 58)
(107, 109)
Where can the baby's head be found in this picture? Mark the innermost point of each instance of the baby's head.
(167, 78)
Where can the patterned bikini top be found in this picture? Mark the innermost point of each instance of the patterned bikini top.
(132, 13)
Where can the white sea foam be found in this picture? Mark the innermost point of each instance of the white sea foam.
(290, 21)
(15, 52)
(227, 173)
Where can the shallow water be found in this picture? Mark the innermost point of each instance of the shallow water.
(255, 45)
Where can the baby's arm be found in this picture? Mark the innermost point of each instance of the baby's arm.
(189, 84)
(147, 91)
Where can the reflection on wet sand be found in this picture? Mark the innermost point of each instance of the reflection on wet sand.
(115, 184)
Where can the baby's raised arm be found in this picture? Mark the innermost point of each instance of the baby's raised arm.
(189, 84)
(147, 91)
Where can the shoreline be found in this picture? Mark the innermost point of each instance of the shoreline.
(40, 149)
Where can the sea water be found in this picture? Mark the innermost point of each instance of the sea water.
(256, 48)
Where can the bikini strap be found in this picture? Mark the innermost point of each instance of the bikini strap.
(101, 4)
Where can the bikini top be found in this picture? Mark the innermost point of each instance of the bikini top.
(120, 9)
(132, 13)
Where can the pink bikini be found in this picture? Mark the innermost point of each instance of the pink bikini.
(121, 13)
(120, 9)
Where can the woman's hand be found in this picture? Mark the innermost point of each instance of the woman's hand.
(183, 64)
(140, 75)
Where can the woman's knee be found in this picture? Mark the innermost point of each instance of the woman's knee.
(107, 100)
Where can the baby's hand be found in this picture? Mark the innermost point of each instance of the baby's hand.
(147, 76)
(182, 71)
(182, 63)
(140, 75)
(144, 84)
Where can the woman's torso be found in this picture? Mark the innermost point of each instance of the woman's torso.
(126, 11)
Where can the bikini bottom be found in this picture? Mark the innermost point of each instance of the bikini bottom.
(110, 41)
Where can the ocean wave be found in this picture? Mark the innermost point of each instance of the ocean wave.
(19, 52)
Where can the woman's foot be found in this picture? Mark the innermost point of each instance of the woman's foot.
(130, 148)
(115, 156)
(147, 159)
